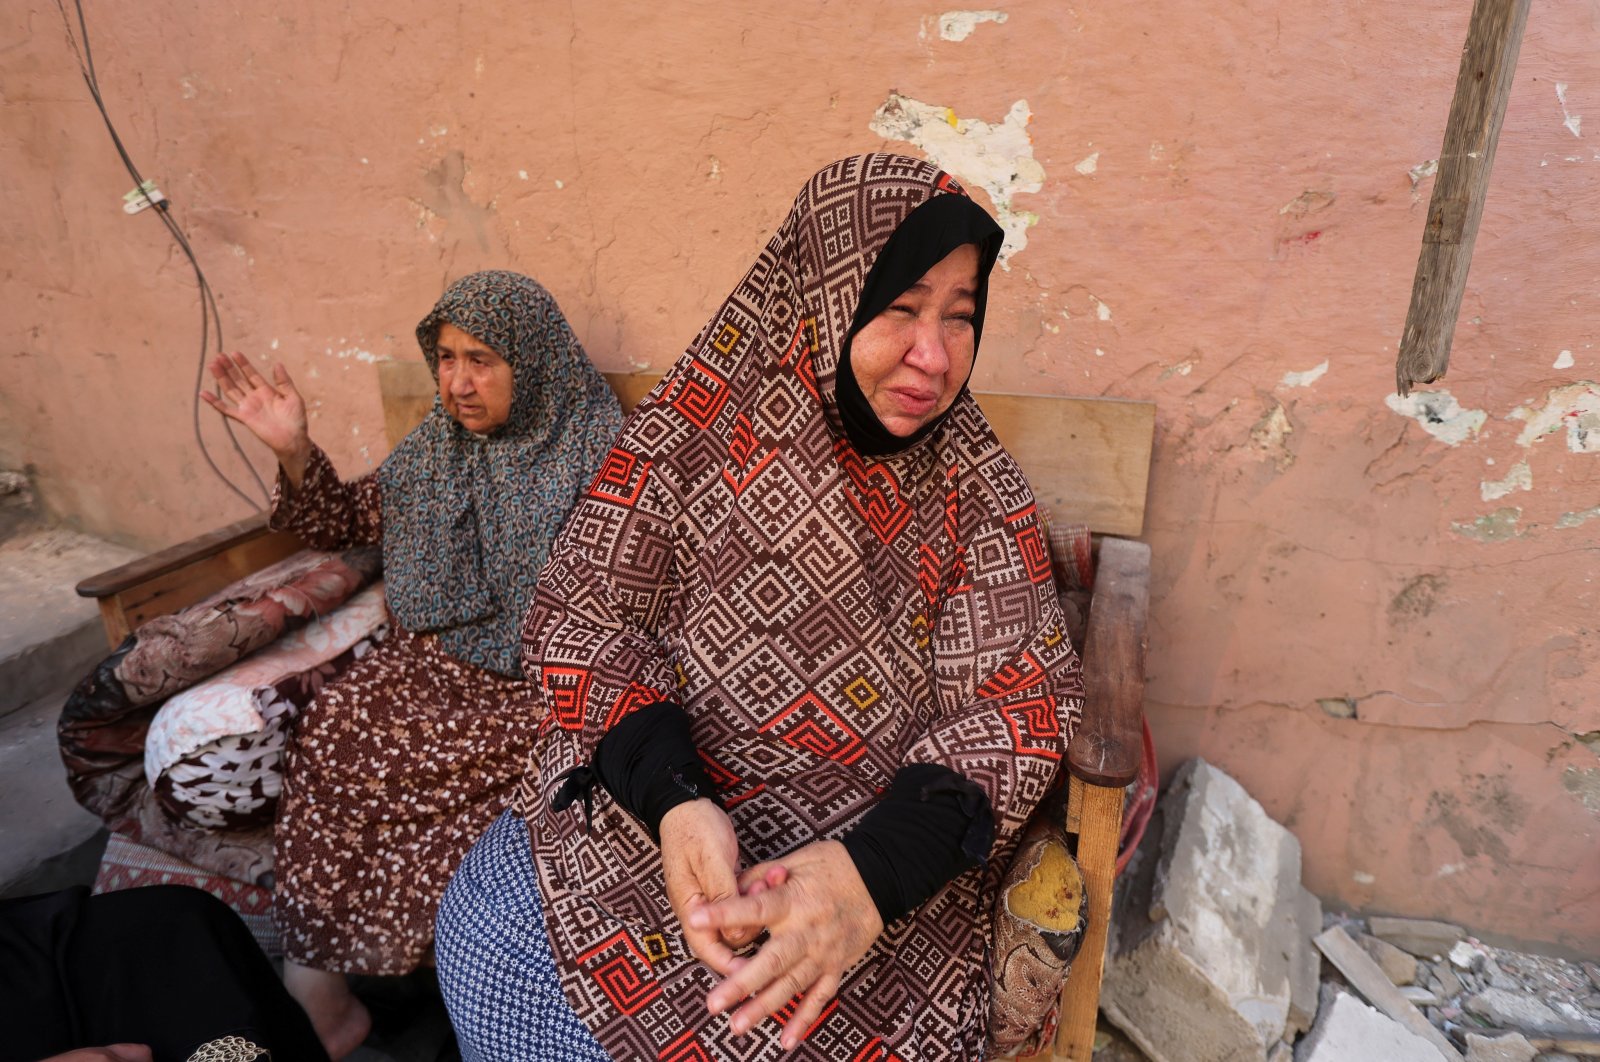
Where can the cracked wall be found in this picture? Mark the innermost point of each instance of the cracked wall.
(1379, 614)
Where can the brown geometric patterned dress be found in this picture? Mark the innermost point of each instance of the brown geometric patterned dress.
(391, 773)
(824, 619)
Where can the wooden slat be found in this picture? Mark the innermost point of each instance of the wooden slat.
(1365, 977)
(1107, 747)
(1087, 459)
(1471, 135)
(125, 576)
(1099, 832)
(181, 587)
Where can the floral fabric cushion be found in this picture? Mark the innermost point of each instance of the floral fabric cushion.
(213, 754)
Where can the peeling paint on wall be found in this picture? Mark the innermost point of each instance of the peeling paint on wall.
(1519, 478)
(958, 25)
(1440, 415)
(996, 157)
(1088, 165)
(1574, 519)
(1583, 783)
(1498, 526)
(1271, 434)
(1575, 407)
(1304, 379)
(1573, 122)
(1563, 360)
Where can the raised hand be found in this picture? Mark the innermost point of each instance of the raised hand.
(273, 411)
(820, 921)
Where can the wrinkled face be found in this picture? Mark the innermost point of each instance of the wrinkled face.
(913, 358)
(475, 383)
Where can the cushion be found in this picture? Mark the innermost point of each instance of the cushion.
(213, 753)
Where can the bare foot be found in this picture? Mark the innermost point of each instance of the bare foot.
(340, 1019)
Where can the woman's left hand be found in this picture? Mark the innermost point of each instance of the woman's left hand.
(819, 922)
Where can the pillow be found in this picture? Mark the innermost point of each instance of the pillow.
(174, 652)
(213, 752)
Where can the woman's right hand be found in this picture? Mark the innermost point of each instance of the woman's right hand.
(273, 411)
(700, 860)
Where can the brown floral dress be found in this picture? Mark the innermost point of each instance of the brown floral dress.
(391, 773)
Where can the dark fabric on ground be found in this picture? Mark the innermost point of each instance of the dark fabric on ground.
(169, 966)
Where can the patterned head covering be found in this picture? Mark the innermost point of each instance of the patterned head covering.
(468, 519)
(823, 616)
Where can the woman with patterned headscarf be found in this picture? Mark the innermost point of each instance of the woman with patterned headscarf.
(805, 678)
(396, 769)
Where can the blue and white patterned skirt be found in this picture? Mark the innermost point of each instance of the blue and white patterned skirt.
(496, 970)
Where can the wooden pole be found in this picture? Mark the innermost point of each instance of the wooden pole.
(1482, 87)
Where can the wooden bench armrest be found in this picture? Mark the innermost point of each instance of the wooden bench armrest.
(181, 575)
(1107, 748)
(168, 560)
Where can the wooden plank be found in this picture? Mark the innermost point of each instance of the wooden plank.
(1087, 459)
(1365, 976)
(1099, 833)
(113, 620)
(181, 587)
(1470, 137)
(1107, 747)
(154, 565)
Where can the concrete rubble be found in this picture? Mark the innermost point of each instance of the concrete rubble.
(1207, 932)
(1211, 958)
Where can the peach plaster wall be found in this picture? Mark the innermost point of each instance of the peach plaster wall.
(1381, 620)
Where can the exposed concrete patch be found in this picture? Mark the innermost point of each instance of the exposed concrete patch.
(1418, 598)
(1519, 478)
(1421, 171)
(997, 157)
(1440, 415)
(1575, 407)
(1337, 707)
(959, 25)
(1563, 360)
(1304, 379)
(1271, 434)
(1310, 201)
(1583, 783)
(1579, 517)
(1088, 165)
(1498, 526)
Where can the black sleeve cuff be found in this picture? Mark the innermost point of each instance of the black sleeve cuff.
(649, 764)
(930, 826)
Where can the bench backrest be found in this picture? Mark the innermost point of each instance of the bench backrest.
(1087, 459)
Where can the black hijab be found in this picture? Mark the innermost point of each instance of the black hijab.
(922, 241)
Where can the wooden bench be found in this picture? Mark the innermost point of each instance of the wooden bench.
(1088, 461)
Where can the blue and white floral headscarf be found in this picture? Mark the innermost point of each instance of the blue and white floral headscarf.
(468, 519)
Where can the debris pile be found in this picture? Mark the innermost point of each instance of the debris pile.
(1219, 953)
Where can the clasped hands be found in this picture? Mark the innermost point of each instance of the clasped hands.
(819, 918)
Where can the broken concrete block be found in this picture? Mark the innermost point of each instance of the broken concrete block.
(1450, 985)
(1347, 1029)
(1515, 1010)
(1398, 966)
(1418, 996)
(1281, 1052)
(1512, 1048)
(1469, 957)
(1305, 964)
(1199, 969)
(1422, 937)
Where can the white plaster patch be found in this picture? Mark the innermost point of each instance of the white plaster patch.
(273, 345)
(1089, 165)
(1101, 310)
(1422, 170)
(1575, 407)
(1304, 379)
(560, 185)
(1563, 360)
(1361, 877)
(1582, 516)
(522, 175)
(958, 25)
(1573, 122)
(439, 130)
(1449, 869)
(997, 157)
(358, 354)
(1440, 415)
(1519, 478)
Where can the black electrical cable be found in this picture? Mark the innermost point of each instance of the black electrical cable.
(210, 313)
